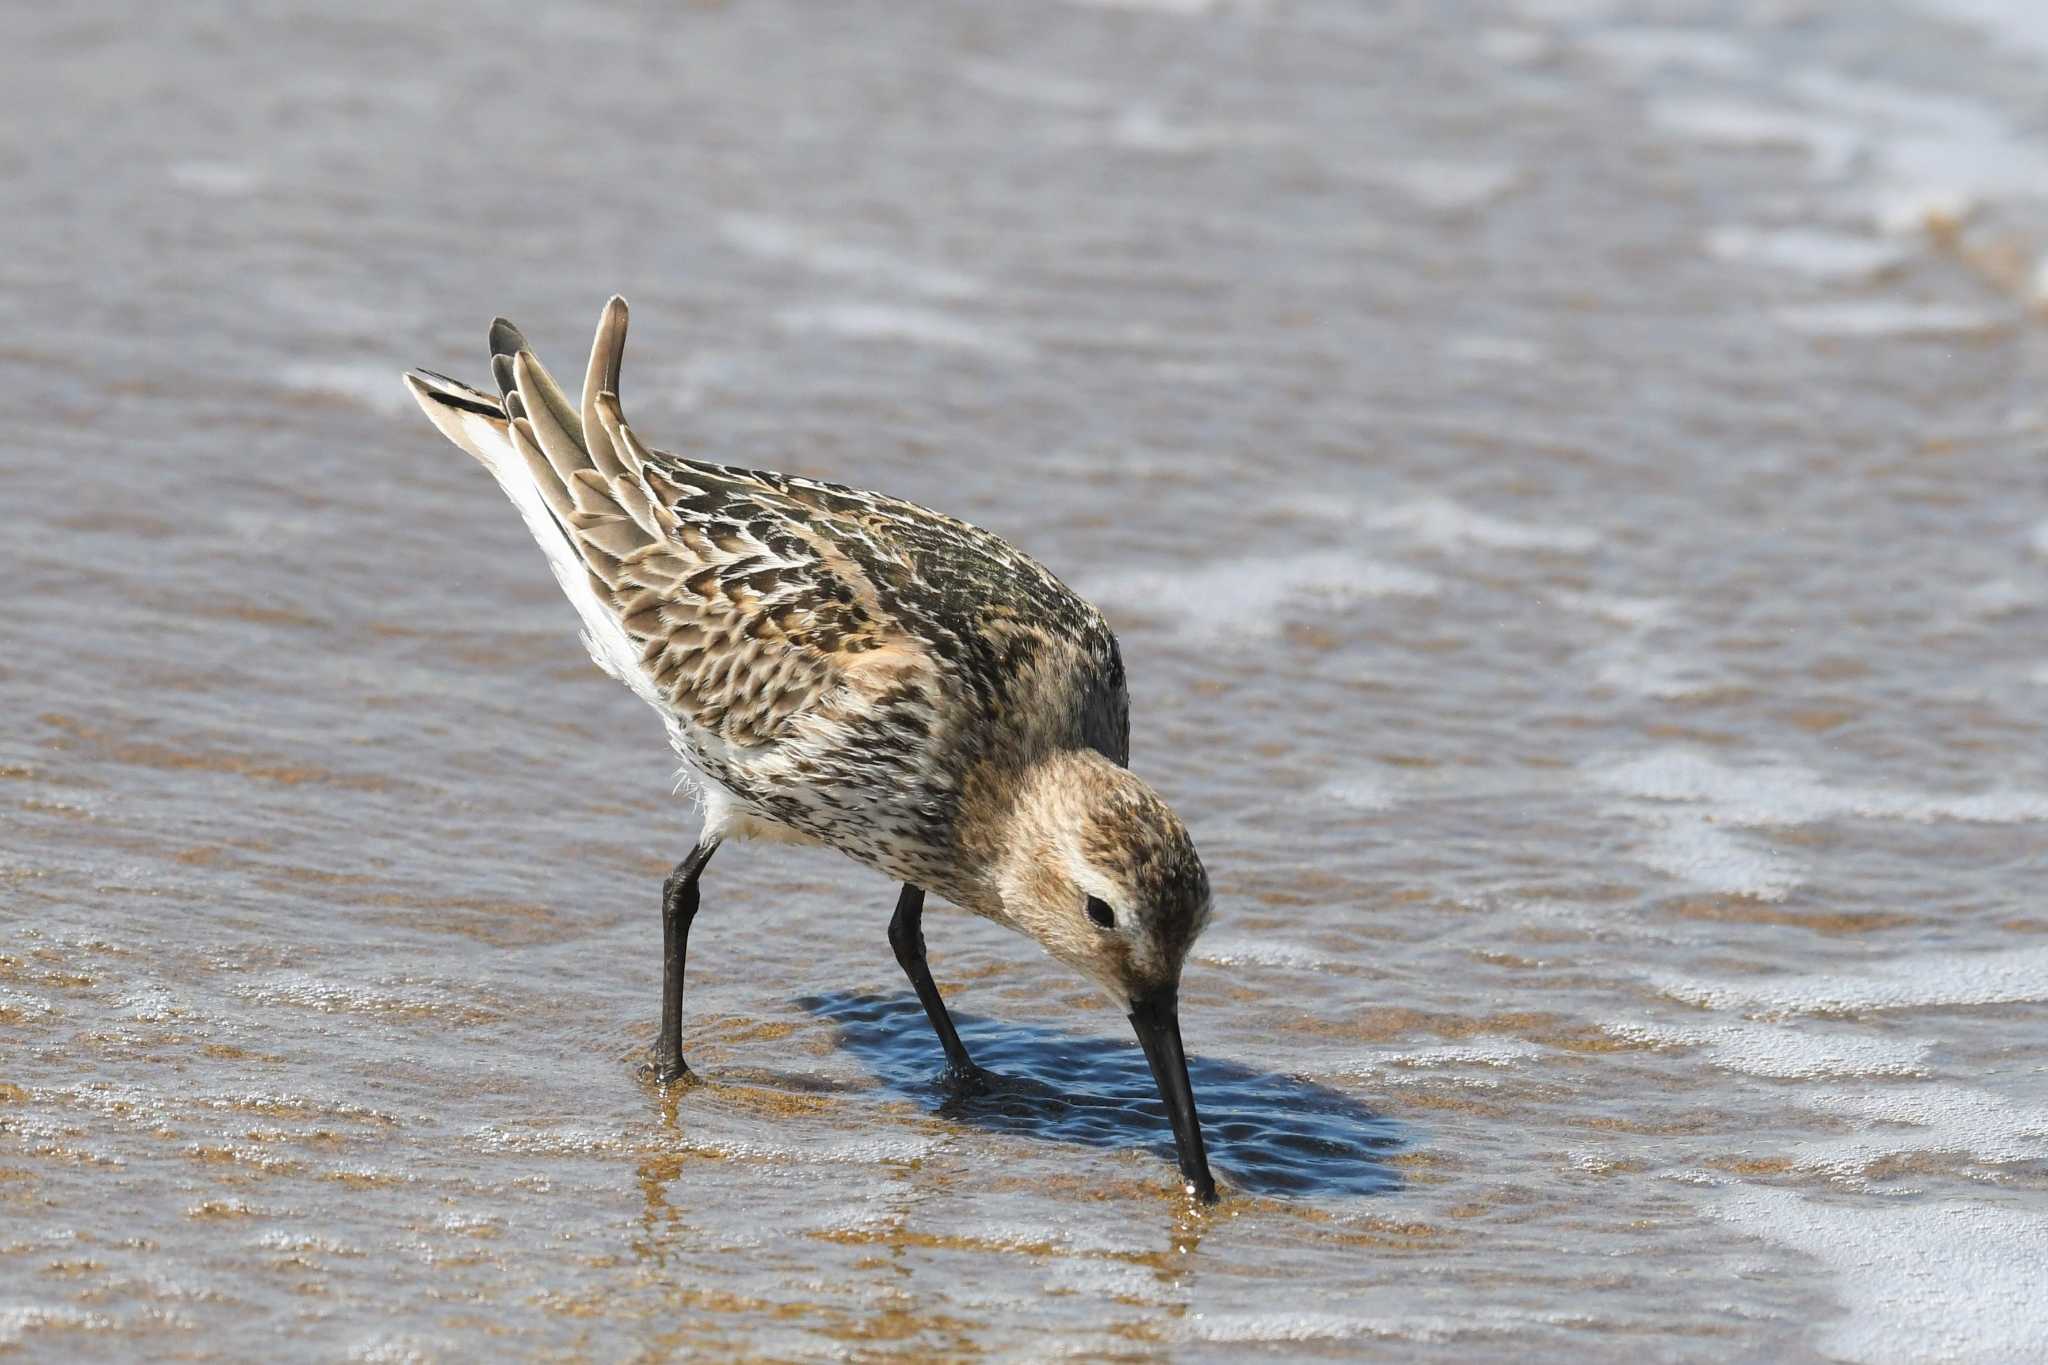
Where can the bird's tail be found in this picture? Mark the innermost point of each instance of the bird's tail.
(586, 464)
(579, 476)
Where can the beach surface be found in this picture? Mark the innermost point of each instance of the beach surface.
(1568, 478)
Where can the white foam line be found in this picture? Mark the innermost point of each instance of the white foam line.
(20, 1002)
(1495, 350)
(1078, 1232)
(1932, 155)
(1312, 1325)
(1953, 1281)
(1443, 524)
(1784, 1051)
(17, 1320)
(225, 179)
(1108, 1280)
(1232, 952)
(1637, 665)
(548, 1141)
(1768, 793)
(1919, 158)
(865, 1150)
(916, 326)
(1447, 1055)
(1640, 613)
(1888, 318)
(1247, 599)
(1713, 859)
(1143, 128)
(1360, 791)
(152, 1003)
(1806, 251)
(1830, 143)
(1929, 981)
(332, 997)
(2000, 597)
(1977, 1124)
(366, 383)
(1441, 186)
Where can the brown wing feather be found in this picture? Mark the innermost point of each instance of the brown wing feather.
(745, 611)
(758, 601)
(882, 602)
(746, 621)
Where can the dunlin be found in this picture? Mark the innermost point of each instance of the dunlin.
(843, 668)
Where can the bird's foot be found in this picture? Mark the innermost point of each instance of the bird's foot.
(666, 1073)
(964, 1081)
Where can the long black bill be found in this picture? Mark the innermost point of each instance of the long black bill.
(1157, 1020)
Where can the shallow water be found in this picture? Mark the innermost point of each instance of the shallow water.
(1268, 1134)
(1568, 477)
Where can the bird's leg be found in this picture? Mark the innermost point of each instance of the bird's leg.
(906, 936)
(678, 908)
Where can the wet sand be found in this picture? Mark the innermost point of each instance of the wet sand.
(1570, 489)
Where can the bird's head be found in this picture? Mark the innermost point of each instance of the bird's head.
(1100, 871)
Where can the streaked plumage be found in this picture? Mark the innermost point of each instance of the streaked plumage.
(840, 667)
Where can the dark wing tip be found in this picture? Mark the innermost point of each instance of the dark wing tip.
(505, 338)
(451, 393)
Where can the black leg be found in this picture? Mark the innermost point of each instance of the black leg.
(678, 908)
(906, 936)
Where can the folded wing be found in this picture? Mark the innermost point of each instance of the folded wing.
(719, 596)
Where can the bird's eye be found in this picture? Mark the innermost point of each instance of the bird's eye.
(1101, 913)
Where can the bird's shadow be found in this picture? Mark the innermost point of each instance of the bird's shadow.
(1267, 1133)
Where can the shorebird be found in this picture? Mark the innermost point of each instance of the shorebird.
(842, 668)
